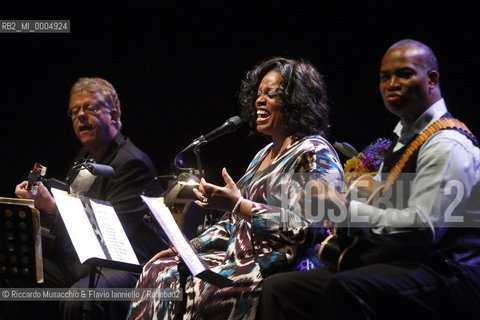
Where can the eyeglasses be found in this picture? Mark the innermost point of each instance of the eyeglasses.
(90, 109)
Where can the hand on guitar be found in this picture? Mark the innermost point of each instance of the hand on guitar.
(43, 199)
(34, 189)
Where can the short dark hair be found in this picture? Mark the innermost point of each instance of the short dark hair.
(302, 92)
(431, 62)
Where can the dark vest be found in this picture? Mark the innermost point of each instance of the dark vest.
(458, 244)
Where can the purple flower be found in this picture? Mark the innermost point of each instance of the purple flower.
(374, 152)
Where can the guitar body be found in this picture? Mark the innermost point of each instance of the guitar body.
(339, 251)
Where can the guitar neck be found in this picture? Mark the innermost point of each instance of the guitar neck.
(34, 175)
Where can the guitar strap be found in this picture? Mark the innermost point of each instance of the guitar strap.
(440, 124)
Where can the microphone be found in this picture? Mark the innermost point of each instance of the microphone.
(228, 126)
(101, 170)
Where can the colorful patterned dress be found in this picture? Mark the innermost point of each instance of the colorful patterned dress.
(247, 252)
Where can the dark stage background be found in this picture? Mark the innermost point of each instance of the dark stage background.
(177, 67)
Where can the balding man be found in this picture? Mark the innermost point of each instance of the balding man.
(415, 265)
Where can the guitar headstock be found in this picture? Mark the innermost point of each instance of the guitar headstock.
(33, 177)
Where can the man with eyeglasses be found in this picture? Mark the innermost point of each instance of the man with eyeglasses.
(95, 112)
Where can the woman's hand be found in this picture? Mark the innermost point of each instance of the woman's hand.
(43, 199)
(215, 197)
(163, 254)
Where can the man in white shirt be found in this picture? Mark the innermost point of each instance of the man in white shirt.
(415, 264)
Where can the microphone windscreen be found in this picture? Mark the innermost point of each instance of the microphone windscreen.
(235, 122)
(100, 170)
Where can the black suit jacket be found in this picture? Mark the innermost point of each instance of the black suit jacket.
(133, 171)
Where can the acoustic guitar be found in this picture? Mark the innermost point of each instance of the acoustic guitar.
(340, 251)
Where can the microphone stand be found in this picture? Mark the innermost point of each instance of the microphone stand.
(180, 307)
(196, 150)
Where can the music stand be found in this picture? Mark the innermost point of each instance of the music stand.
(96, 264)
(190, 262)
(97, 236)
(20, 241)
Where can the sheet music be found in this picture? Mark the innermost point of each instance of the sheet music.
(164, 217)
(113, 234)
(78, 226)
